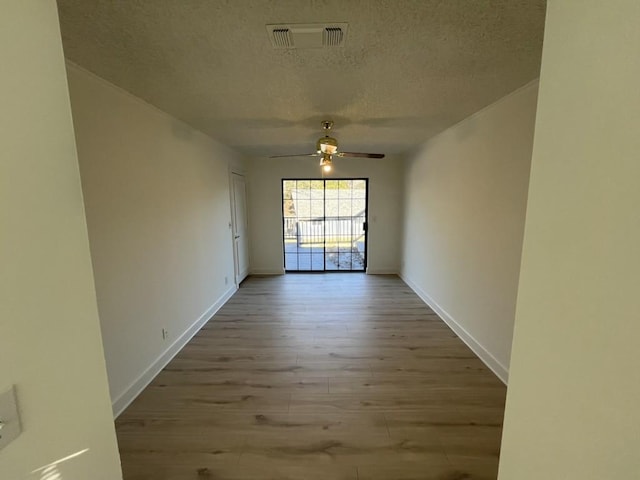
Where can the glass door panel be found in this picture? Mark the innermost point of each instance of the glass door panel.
(324, 224)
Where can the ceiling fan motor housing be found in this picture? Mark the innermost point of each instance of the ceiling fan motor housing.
(327, 144)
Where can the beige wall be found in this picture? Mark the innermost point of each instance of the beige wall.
(158, 210)
(50, 345)
(465, 201)
(572, 408)
(265, 207)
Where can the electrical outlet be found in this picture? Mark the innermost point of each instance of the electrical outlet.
(165, 333)
(9, 420)
(226, 280)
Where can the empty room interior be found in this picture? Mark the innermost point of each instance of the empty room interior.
(319, 239)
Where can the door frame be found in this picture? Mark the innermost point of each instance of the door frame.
(366, 224)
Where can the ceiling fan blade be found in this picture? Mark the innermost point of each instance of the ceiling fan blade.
(296, 155)
(360, 155)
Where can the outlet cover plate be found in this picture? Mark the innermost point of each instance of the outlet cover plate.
(10, 427)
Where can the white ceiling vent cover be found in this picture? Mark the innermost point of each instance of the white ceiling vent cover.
(310, 35)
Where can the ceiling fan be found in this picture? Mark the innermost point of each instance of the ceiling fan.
(327, 147)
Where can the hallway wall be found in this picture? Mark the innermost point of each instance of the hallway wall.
(158, 210)
(50, 345)
(465, 199)
(572, 404)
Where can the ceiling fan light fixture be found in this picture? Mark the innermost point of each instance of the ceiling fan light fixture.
(325, 162)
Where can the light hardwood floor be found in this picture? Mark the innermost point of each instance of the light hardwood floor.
(332, 377)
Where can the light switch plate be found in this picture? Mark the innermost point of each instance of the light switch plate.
(10, 427)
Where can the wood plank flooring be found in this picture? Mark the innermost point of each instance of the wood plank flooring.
(332, 377)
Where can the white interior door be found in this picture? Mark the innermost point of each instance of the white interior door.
(240, 237)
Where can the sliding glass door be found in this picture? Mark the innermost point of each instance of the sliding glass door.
(324, 224)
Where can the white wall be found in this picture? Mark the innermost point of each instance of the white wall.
(572, 408)
(50, 345)
(265, 207)
(466, 192)
(158, 210)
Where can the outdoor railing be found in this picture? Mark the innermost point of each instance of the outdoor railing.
(323, 230)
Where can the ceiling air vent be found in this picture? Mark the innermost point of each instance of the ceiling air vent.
(333, 36)
(281, 38)
(313, 35)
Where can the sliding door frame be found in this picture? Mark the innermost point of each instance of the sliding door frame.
(365, 226)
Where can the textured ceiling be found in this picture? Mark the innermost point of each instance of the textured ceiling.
(408, 70)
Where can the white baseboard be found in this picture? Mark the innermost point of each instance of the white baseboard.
(267, 272)
(381, 271)
(130, 394)
(483, 354)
